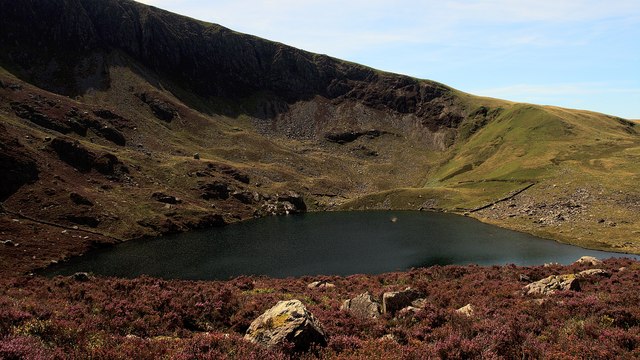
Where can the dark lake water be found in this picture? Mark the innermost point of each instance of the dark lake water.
(330, 243)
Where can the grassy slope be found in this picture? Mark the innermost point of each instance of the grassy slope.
(561, 151)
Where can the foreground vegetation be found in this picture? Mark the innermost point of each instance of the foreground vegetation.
(147, 318)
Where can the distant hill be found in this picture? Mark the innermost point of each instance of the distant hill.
(123, 120)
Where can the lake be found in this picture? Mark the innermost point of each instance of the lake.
(330, 243)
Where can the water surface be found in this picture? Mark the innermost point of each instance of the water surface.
(331, 243)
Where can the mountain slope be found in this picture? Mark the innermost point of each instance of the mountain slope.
(103, 105)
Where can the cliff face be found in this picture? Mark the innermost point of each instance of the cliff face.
(62, 45)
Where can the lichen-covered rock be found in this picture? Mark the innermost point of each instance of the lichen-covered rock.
(288, 321)
(362, 306)
(553, 283)
(589, 260)
(397, 300)
(593, 272)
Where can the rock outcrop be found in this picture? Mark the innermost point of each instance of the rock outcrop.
(288, 321)
(553, 283)
(16, 166)
(397, 300)
(67, 33)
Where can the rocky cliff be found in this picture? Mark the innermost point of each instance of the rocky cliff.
(49, 40)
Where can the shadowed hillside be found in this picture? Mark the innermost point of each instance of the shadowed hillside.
(120, 120)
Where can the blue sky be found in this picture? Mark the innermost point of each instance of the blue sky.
(582, 54)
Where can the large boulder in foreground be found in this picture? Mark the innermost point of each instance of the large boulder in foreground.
(362, 306)
(553, 283)
(288, 321)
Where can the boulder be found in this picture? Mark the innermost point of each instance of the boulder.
(397, 300)
(589, 260)
(287, 322)
(164, 198)
(320, 284)
(551, 284)
(593, 272)
(466, 310)
(362, 306)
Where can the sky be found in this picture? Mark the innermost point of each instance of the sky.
(582, 54)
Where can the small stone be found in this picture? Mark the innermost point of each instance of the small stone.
(466, 310)
(389, 337)
(196, 156)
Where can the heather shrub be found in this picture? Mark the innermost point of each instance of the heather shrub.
(147, 318)
(23, 348)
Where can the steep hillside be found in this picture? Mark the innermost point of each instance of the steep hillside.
(120, 120)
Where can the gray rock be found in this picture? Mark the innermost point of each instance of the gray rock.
(593, 272)
(288, 321)
(553, 283)
(396, 300)
(362, 306)
(589, 260)
(320, 284)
